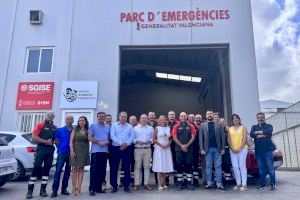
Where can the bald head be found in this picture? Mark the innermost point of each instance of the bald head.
(133, 120)
(69, 120)
(182, 117)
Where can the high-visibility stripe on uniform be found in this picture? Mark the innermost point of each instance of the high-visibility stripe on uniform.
(189, 177)
(122, 174)
(179, 177)
(196, 175)
(33, 178)
(44, 182)
(46, 178)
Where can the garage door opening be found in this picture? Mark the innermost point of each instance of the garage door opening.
(180, 78)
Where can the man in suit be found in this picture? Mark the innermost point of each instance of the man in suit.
(212, 145)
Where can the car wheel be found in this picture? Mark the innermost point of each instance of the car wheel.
(20, 172)
(2, 182)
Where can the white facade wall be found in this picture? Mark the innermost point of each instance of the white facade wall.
(87, 36)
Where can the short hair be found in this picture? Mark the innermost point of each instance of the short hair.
(260, 113)
(123, 112)
(101, 113)
(132, 116)
(69, 116)
(108, 115)
(151, 112)
(144, 115)
(171, 111)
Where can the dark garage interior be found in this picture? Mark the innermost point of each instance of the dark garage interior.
(159, 79)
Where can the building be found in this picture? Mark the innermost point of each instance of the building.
(286, 135)
(271, 107)
(77, 57)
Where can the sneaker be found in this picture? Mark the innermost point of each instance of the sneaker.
(165, 187)
(208, 187)
(273, 187)
(92, 193)
(243, 188)
(114, 190)
(148, 187)
(135, 188)
(65, 192)
(220, 188)
(160, 189)
(261, 187)
(54, 194)
(100, 191)
(237, 187)
(127, 190)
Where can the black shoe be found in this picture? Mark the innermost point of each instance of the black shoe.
(65, 192)
(114, 190)
(180, 186)
(100, 191)
(127, 190)
(29, 194)
(189, 186)
(43, 192)
(220, 188)
(208, 187)
(273, 187)
(54, 194)
(261, 187)
(92, 193)
(196, 183)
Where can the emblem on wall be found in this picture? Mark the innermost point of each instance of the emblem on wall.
(70, 95)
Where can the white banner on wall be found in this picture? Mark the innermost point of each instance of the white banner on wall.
(79, 94)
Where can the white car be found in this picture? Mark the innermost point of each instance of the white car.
(8, 163)
(24, 149)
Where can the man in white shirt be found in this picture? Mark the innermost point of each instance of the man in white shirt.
(143, 135)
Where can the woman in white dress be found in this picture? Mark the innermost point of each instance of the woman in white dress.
(162, 156)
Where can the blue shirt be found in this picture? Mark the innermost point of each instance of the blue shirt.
(121, 133)
(63, 136)
(265, 144)
(99, 132)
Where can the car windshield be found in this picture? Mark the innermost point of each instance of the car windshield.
(28, 137)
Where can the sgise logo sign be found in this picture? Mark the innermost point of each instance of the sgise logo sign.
(24, 87)
(70, 94)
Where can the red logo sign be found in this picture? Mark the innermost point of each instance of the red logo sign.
(35, 96)
(175, 19)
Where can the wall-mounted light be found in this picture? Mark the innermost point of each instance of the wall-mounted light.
(178, 77)
(161, 75)
(196, 79)
(173, 76)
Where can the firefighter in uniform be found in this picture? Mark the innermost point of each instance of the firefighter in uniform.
(43, 135)
(184, 135)
(196, 121)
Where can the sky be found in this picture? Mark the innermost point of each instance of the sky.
(277, 45)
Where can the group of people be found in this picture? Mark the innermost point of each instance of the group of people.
(165, 146)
